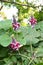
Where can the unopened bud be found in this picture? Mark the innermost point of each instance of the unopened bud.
(12, 36)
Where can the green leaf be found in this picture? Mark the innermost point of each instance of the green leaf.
(39, 26)
(32, 35)
(39, 52)
(14, 59)
(5, 24)
(5, 40)
(28, 35)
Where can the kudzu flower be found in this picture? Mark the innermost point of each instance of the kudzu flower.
(33, 21)
(15, 45)
(15, 24)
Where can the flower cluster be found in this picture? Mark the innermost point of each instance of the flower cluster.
(15, 24)
(33, 21)
(14, 44)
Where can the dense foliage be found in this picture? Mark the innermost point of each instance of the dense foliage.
(31, 39)
(31, 51)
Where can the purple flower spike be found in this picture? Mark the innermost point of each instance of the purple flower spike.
(15, 45)
(15, 24)
(33, 21)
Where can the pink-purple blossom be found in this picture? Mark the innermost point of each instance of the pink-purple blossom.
(15, 24)
(33, 21)
(15, 45)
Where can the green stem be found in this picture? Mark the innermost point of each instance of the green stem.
(30, 61)
(21, 55)
(31, 48)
